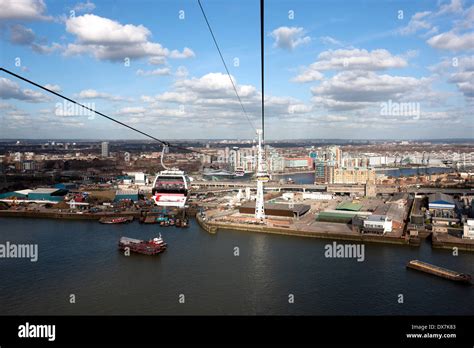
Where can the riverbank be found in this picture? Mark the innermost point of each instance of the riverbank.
(65, 215)
(444, 241)
(214, 227)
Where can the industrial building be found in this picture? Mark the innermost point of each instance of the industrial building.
(126, 195)
(441, 201)
(379, 224)
(443, 212)
(345, 213)
(417, 216)
(277, 209)
(47, 194)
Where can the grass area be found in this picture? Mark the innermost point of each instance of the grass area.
(107, 195)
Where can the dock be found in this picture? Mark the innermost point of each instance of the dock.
(439, 271)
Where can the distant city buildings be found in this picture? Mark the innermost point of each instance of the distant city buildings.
(332, 167)
(105, 149)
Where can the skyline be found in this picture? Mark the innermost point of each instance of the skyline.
(321, 79)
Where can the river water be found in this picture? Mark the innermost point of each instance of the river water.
(81, 258)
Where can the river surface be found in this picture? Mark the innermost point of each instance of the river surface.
(81, 258)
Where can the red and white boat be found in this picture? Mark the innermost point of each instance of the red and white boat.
(152, 247)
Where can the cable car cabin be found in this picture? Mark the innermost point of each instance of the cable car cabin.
(264, 177)
(170, 189)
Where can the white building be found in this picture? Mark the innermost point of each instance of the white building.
(378, 223)
(317, 196)
(105, 149)
(468, 229)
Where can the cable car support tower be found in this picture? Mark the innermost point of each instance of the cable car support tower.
(262, 174)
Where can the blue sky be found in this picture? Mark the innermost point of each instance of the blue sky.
(331, 68)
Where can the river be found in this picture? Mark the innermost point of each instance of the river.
(81, 258)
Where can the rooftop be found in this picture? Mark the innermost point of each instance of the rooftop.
(440, 197)
(377, 218)
(349, 206)
(47, 190)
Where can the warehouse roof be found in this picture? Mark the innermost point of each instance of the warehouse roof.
(300, 209)
(126, 192)
(376, 218)
(440, 197)
(349, 206)
(46, 190)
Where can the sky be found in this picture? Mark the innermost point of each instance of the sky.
(362, 69)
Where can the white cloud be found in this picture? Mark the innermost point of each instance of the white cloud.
(155, 72)
(455, 6)
(174, 97)
(23, 9)
(106, 39)
(464, 77)
(157, 60)
(289, 38)
(132, 110)
(328, 40)
(358, 89)
(84, 6)
(308, 75)
(181, 72)
(211, 98)
(452, 41)
(11, 90)
(46, 49)
(187, 53)
(350, 59)
(416, 23)
(54, 88)
(93, 94)
(21, 35)
(92, 29)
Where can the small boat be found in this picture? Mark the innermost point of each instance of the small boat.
(152, 247)
(117, 220)
(439, 271)
(239, 172)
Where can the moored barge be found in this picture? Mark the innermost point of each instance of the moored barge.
(152, 247)
(439, 271)
(116, 220)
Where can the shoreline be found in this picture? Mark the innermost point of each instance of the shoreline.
(215, 227)
(438, 242)
(64, 215)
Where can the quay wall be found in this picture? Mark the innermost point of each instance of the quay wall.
(213, 227)
(64, 215)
